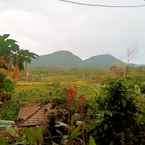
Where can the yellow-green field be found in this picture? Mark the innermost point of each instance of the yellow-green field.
(39, 89)
(87, 82)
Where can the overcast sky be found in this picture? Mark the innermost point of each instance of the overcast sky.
(45, 26)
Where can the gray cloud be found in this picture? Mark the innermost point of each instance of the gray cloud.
(50, 25)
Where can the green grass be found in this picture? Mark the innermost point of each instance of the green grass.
(41, 83)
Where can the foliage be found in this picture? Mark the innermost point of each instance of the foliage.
(9, 110)
(76, 135)
(5, 83)
(3, 141)
(8, 85)
(7, 48)
(142, 88)
(12, 58)
(2, 77)
(71, 94)
(112, 111)
(6, 88)
(117, 122)
(92, 141)
(57, 93)
(30, 136)
(81, 104)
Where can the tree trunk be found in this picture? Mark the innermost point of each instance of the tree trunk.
(16, 73)
(26, 72)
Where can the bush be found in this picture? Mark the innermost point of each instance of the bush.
(8, 85)
(2, 77)
(6, 88)
(30, 136)
(118, 112)
(3, 141)
(9, 111)
(57, 93)
(142, 87)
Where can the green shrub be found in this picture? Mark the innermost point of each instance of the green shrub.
(9, 110)
(2, 77)
(57, 93)
(8, 85)
(6, 88)
(117, 119)
(30, 136)
(3, 141)
(142, 87)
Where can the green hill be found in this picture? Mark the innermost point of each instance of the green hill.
(66, 59)
(100, 61)
(57, 59)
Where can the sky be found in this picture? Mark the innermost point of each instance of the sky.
(45, 26)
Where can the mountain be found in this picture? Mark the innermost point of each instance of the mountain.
(100, 61)
(66, 59)
(57, 59)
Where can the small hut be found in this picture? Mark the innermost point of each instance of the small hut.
(33, 115)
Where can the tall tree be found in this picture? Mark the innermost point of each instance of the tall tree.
(8, 47)
(12, 57)
(21, 59)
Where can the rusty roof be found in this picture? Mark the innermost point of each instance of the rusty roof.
(32, 115)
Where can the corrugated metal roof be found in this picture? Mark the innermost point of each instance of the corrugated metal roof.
(33, 115)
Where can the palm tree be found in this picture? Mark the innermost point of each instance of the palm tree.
(8, 47)
(28, 57)
(21, 59)
(12, 57)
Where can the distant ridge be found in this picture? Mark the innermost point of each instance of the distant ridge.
(101, 61)
(66, 59)
(57, 59)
